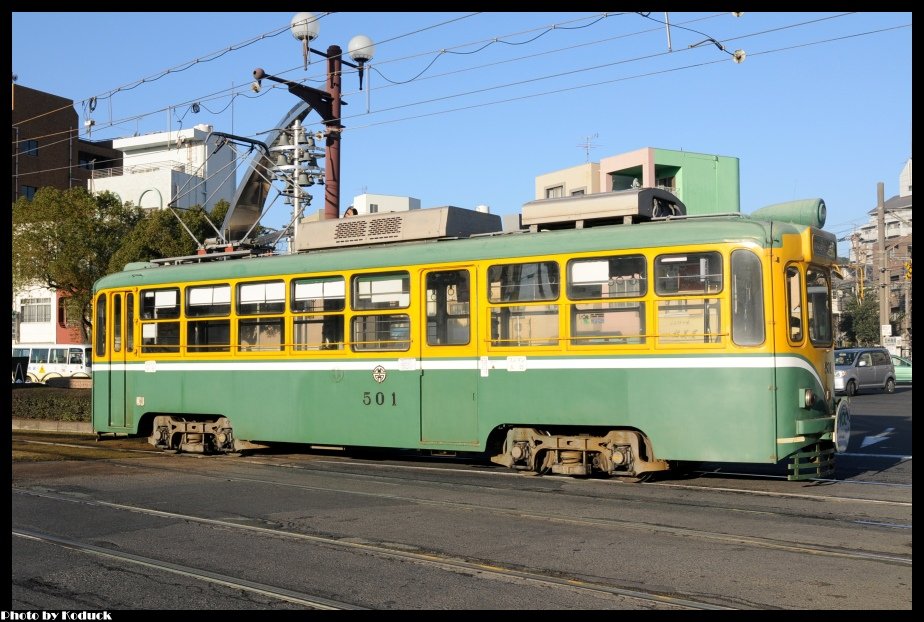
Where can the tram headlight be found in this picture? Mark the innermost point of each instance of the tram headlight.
(808, 398)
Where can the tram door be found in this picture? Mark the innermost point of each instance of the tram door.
(449, 358)
(119, 344)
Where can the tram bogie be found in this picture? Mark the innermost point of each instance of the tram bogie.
(619, 452)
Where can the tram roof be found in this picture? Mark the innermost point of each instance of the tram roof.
(502, 246)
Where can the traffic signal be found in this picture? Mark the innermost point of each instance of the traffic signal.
(907, 270)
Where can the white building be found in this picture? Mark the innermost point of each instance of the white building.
(897, 224)
(185, 165)
(864, 258)
(380, 203)
(39, 316)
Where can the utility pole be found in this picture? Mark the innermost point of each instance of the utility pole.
(885, 327)
(334, 131)
(860, 265)
(327, 103)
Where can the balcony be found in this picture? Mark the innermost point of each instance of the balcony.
(147, 167)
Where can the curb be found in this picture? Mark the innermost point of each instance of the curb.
(43, 425)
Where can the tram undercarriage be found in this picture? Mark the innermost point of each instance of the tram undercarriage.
(193, 436)
(619, 452)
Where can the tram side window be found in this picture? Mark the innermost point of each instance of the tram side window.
(159, 332)
(390, 331)
(692, 314)
(129, 322)
(747, 299)
(818, 295)
(448, 321)
(319, 304)
(117, 323)
(261, 333)
(794, 301)
(598, 323)
(58, 356)
(524, 324)
(100, 324)
(208, 335)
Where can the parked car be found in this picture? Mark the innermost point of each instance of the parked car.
(902, 369)
(863, 368)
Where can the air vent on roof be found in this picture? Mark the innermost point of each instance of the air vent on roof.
(424, 224)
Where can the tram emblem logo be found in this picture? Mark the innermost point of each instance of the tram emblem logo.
(379, 374)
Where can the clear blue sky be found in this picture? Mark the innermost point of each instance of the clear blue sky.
(821, 107)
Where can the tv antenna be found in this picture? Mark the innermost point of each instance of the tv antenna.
(588, 144)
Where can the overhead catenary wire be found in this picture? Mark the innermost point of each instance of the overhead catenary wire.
(175, 69)
(209, 57)
(647, 74)
(221, 94)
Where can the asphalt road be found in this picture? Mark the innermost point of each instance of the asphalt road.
(113, 526)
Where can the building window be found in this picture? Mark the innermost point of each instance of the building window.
(35, 310)
(577, 193)
(86, 161)
(554, 192)
(62, 313)
(29, 147)
(27, 191)
(373, 208)
(666, 183)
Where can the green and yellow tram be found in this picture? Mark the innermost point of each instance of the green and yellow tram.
(627, 339)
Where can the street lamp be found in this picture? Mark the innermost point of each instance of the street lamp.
(327, 103)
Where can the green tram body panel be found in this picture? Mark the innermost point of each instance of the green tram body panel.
(737, 408)
(691, 413)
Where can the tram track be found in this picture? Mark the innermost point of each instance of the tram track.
(298, 598)
(432, 559)
(347, 470)
(507, 473)
(607, 522)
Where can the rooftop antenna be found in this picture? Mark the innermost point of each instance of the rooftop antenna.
(588, 144)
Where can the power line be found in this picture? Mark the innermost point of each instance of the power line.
(648, 74)
(489, 42)
(615, 80)
(92, 100)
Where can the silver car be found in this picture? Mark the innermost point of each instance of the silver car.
(863, 368)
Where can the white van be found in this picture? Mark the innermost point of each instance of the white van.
(51, 360)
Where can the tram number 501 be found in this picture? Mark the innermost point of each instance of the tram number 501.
(379, 398)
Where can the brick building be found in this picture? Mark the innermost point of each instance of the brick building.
(46, 147)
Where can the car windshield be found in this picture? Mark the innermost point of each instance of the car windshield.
(844, 358)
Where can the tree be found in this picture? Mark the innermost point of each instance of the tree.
(860, 320)
(166, 233)
(64, 240)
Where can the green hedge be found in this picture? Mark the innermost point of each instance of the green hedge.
(36, 401)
